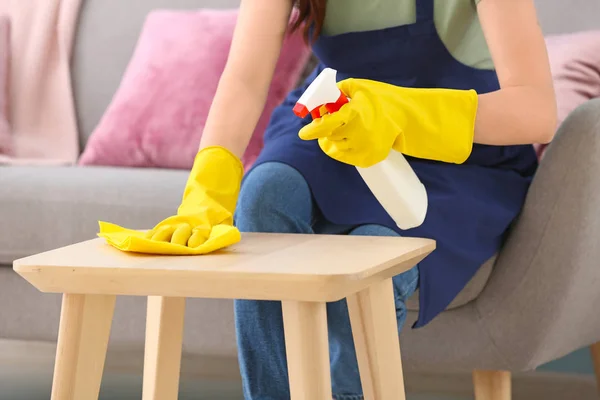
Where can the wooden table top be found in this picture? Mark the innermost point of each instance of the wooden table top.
(261, 267)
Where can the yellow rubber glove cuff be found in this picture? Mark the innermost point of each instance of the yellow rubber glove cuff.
(439, 124)
(204, 220)
(213, 185)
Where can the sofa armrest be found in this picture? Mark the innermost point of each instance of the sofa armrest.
(541, 301)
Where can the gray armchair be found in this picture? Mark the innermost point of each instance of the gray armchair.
(540, 302)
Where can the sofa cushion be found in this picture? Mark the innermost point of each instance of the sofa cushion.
(560, 16)
(106, 37)
(157, 115)
(575, 62)
(45, 208)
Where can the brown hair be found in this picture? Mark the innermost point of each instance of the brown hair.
(311, 15)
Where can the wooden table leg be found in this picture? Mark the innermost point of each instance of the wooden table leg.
(375, 332)
(492, 385)
(595, 350)
(85, 322)
(307, 350)
(164, 339)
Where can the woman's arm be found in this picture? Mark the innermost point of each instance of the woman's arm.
(244, 84)
(523, 111)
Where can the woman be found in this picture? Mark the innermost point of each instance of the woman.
(469, 141)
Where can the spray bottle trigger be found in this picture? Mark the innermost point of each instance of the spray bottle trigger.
(335, 107)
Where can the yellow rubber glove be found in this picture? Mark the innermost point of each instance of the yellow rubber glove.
(434, 124)
(204, 220)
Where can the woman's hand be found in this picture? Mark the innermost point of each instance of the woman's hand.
(209, 200)
(204, 220)
(435, 124)
(358, 134)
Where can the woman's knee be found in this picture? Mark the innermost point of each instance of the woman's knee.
(373, 230)
(270, 193)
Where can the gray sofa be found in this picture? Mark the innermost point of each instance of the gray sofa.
(534, 303)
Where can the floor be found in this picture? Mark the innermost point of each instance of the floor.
(568, 378)
(125, 387)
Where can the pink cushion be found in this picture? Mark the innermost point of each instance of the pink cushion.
(158, 113)
(5, 131)
(575, 64)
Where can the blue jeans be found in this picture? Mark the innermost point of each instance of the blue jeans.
(276, 198)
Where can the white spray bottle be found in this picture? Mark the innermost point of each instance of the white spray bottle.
(392, 181)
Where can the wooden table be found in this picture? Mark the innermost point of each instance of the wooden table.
(303, 271)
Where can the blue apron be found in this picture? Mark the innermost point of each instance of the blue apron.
(470, 206)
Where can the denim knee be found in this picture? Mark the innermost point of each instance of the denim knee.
(274, 198)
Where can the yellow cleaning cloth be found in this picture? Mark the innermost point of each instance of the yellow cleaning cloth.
(129, 240)
(204, 219)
